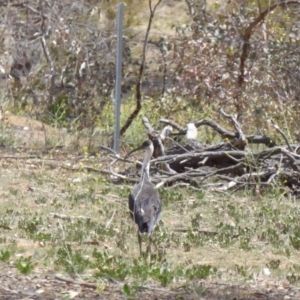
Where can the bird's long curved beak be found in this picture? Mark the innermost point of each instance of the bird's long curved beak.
(134, 150)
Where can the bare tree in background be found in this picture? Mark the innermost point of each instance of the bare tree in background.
(57, 47)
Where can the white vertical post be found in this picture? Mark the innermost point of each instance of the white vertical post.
(118, 77)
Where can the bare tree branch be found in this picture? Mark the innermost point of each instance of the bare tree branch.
(254, 139)
(248, 32)
(173, 124)
(52, 70)
(147, 124)
(141, 71)
(283, 134)
(241, 139)
(45, 32)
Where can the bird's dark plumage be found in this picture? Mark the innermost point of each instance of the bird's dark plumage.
(144, 201)
(145, 209)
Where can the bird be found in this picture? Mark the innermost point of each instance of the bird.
(191, 132)
(144, 200)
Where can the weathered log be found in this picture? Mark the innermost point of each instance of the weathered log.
(224, 133)
(234, 162)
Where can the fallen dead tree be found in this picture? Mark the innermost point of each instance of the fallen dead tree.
(231, 164)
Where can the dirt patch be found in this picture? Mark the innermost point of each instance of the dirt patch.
(25, 133)
(48, 287)
(35, 186)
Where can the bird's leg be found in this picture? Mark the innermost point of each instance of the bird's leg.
(140, 241)
(149, 245)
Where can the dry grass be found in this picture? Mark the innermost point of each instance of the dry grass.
(197, 229)
(244, 240)
(31, 188)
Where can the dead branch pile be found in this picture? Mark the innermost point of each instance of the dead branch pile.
(223, 166)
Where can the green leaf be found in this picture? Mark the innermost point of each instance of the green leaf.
(126, 289)
(4, 255)
(24, 265)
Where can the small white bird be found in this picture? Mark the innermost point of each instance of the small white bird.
(191, 132)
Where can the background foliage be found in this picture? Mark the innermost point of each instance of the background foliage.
(58, 61)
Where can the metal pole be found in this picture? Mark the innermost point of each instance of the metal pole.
(243, 8)
(118, 77)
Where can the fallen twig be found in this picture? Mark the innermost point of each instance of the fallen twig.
(110, 220)
(108, 149)
(173, 178)
(81, 283)
(237, 126)
(254, 139)
(65, 217)
(195, 162)
(173, 124)
(283, 134)
(147, 124)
